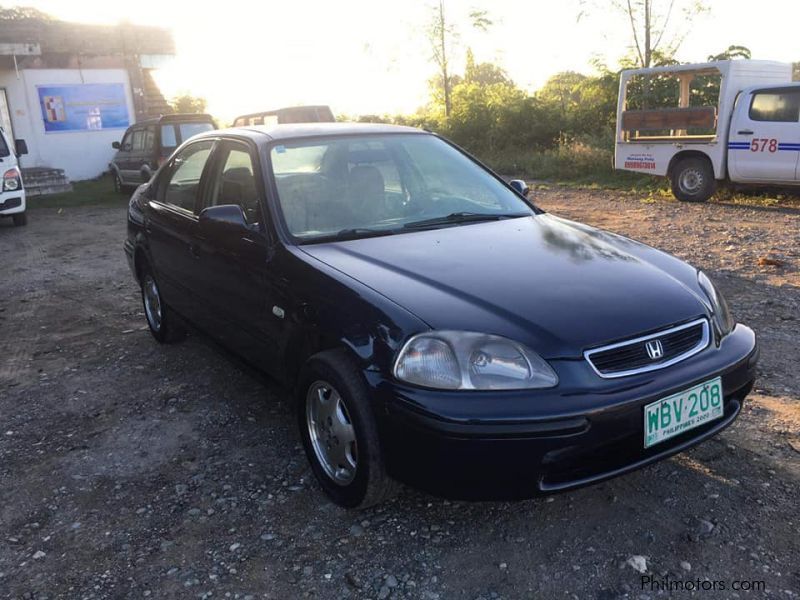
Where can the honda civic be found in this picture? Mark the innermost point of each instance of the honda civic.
(434, 325)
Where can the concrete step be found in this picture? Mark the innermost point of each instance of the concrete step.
(41, 181)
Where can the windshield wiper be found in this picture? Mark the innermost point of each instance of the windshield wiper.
(462, 217)
(351, 233)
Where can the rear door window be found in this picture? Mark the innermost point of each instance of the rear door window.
(150, 139)
(181, 187)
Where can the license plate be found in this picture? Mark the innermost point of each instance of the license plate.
(683, 411)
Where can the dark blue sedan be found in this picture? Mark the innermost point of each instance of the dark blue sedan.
(435, 327)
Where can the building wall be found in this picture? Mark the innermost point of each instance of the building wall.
(81, 154)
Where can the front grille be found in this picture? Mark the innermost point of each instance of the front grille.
(631, 356)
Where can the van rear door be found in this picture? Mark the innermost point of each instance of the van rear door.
(764, 143)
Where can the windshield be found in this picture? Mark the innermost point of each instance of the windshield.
(4, 151)
(356, 186)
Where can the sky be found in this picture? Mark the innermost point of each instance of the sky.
(373, 57)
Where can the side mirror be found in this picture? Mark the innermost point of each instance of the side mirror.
(115, 145)
(20, 147)
(520, 187)
(221, 219)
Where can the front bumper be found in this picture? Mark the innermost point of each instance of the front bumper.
(518, 444)
(12, 203)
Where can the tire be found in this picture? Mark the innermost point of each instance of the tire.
(693, 180)
(20, 219)
(119, 187)
(161, 321)
(348, 436)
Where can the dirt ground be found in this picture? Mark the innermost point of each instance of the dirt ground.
(133, 470)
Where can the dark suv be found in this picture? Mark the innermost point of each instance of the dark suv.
(147, 144)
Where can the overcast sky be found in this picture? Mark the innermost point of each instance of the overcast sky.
(371, 56)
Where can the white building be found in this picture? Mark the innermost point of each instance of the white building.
(70, 90)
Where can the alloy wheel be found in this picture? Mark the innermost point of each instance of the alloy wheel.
(152, 302)
(331, 432)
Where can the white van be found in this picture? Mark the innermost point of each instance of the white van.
(730, 120)
(12, 194)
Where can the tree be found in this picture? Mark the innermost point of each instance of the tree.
(656, 29)
(733, 51)
(23, 12)
(186, 103)
(484, 73)
(440, 32)
(442, 35)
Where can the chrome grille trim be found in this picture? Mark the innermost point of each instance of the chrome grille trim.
(700, 346)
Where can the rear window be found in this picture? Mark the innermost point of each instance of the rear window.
(174, 134)
(783, 106)
(190, 129)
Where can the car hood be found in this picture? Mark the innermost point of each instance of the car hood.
(555, 285)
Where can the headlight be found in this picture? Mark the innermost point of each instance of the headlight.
(719, 308)
(11, 181)
(465, 360)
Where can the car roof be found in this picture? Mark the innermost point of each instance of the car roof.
(290, 131)
(176, 118)
(770, 87)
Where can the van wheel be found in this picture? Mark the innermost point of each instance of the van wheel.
(693, 180)
(119, 187)
(20, 219)
(161, 320)
(339, 432)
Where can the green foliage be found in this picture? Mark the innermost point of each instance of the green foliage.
(23, 12)
(186, 103)
(564, 131)
(732, 52)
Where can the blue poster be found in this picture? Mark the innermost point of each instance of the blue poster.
(83, 107)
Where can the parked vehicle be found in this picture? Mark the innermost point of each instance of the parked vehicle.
(292, 114)
(750, 134)
(436, 327)
(12, 192)
(147, 144)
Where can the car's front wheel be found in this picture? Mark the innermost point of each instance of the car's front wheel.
(339, 433)
(161, 321)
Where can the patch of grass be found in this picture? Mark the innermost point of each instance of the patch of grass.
(90, 192)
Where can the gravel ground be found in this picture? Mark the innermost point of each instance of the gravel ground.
(129, 469)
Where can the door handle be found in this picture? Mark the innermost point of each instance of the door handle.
(745, 132)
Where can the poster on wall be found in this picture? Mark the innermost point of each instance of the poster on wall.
(83, 107)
